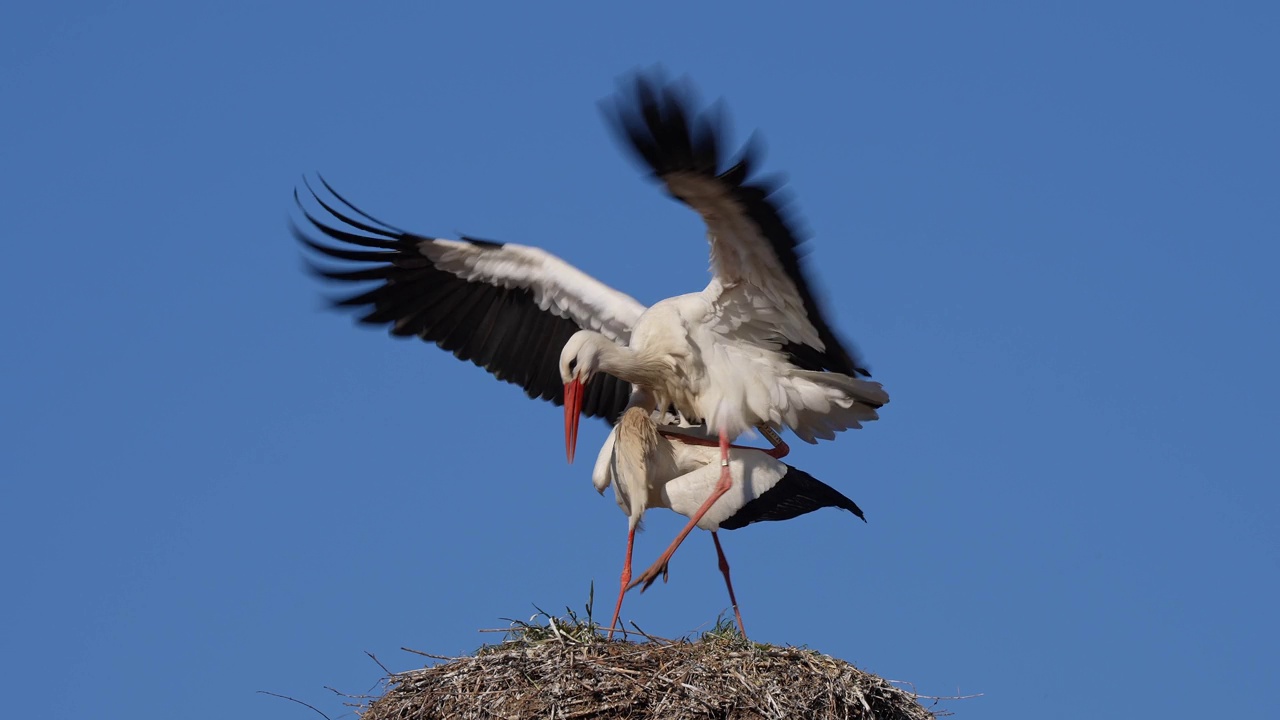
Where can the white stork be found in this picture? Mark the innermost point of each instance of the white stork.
(750, 350)
(649, 469)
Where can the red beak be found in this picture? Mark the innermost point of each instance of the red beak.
(572, 413)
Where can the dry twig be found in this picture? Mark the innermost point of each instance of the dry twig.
(568, 669)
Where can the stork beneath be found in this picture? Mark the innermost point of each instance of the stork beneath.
(650, 469)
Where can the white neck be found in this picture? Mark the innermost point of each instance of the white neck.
(634, 366)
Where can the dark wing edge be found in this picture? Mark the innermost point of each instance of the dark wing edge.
(500, 329)
(651, 117)
(795, 494)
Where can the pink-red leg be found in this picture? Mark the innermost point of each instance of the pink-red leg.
(626, 579)
(724, 570)
(722, 487)
(780, 448)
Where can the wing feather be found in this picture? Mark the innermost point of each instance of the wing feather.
(796, 493)
(507, 308)
(753, 238)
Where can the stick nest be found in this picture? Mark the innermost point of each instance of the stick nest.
(565, 669)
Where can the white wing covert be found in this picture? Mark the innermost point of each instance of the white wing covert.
(507, 308)
(752, 237)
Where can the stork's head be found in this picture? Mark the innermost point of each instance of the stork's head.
(579, 360)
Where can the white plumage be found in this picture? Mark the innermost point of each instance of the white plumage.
(648, 469)
(715, 364)
(557, 286)
(752, 349)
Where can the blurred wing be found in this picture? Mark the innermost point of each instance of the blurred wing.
(752, 240)
(507, 308)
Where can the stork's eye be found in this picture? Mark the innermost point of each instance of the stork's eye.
(573, 365)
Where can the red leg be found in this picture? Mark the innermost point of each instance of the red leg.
(779, 451)
(780, 448)
(695, 440)
(626, 578)
(722, 487)
(724, 569)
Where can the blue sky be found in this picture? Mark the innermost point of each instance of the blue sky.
(1052, 230)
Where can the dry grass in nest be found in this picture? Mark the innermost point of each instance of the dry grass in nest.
(564, 668)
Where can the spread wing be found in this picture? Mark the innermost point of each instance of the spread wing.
(505, 307)
(753, 241)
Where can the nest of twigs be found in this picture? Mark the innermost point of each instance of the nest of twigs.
(564, 668)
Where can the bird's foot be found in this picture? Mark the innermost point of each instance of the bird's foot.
(650, 576)
(660, 566)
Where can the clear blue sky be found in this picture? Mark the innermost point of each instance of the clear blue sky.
(1052, 230)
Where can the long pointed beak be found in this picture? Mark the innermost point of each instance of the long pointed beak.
(573, 391)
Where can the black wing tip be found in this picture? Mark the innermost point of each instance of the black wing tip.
(829, 496)
(796, 493)
(327, 224)
(661, 122)
(346, 223)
